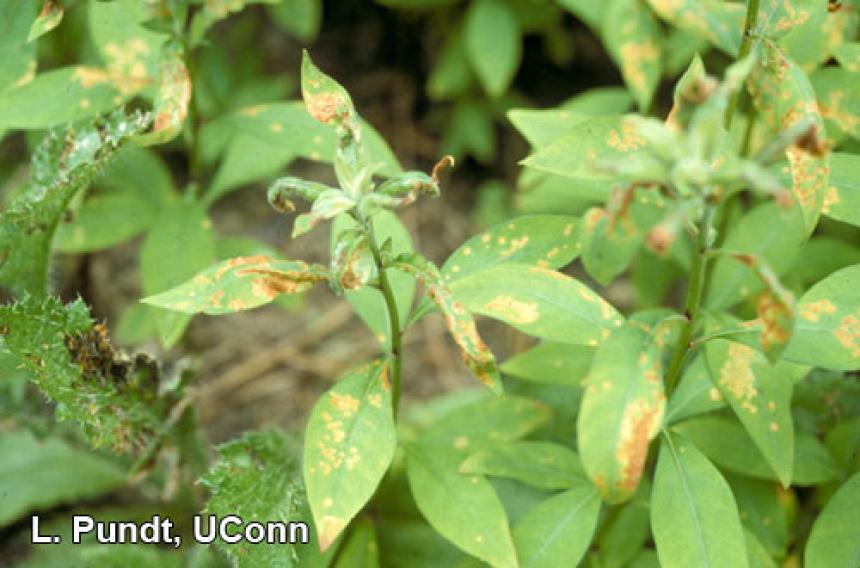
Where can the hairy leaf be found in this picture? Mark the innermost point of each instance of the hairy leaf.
(256, 478)
(349, 445)
(64, 164)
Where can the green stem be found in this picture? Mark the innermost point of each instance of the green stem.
(393, 318)
(746, 45)
(692, 309)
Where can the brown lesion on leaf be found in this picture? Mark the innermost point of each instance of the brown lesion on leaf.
(639, 424)
(513, 309)
(848, 334)
(812, 311)
(242, 261)
(344, 403)
(737, 377)
(326, 107)
(777, 317)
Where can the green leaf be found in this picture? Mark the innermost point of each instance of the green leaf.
(492, 36)
(299, 18)
(772, 235)
(634, 39)
(624, 534)
(463, 508)
(728, 445)
(541, 240)
(213, 11)
(557, 532)
(584, 151)
(621, 412)
(540, 302)
(540, 464)
(827, 331)
(174, 95)
(112, 398)
(349, 444)
(44, 473)
(833, 541)
(485, 423)
(541, 126)
(451, 76)
(241, 283)
(720, 23)
(588, 11)
(18, 65)
(64, 163)
(135, 186)
(842, 200)
(179, 245)
(49, 18)
(757, 555)
(257, 479)
(762, 508)
(247, 159)
(785, 99)
(760, 397)
(368, 302)
(695, 394)
(361, 549)
(848, 55)
(550, 362)
(609, 243)
(694, 517)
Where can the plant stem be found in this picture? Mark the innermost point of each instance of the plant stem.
(746, 45)
(393, 318)
(692, 309)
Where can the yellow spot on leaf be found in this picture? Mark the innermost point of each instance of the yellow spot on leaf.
(513, 309)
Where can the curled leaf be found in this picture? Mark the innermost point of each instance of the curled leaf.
(284, 190)
(328, 205)
(174, 95)
(49, 18)
(461, 324)
(239, 284)
(352, 264)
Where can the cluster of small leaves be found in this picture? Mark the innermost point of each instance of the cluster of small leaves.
(116, 401)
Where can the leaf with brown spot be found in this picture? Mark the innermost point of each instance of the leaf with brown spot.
(622, 411)
(458, 319)
(785, 99)
(174, 95)
(349, 444)
(720, 23)
(760, 396)
(49, 18)
(634, 40)
(239, 284)
(827, 330)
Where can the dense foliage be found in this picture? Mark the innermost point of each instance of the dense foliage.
(721, 429)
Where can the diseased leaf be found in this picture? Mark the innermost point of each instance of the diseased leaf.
(550, 362)
(770, 233)
(492, 38)
(634, 40)
(694, 517)
(718, 22)
(842, 200)
(179, 245)
(838, 93)
(85, 92)
(848, 55)
(785, 99)
(114, 400)
(541, 240)
(621, 412)
(349, 445)
(557, 532)
(695, 393)
(49, 18)
(540, 302)
(761, 399)
(833, 541)
(43, 473)
(239, 284)
(584, 151)
(827, 331)
(463, 508)
(728, 445)
(461, 325)
(540, 464)
(485, 423)
(174, 95)
(257, 479)
(64, 163)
